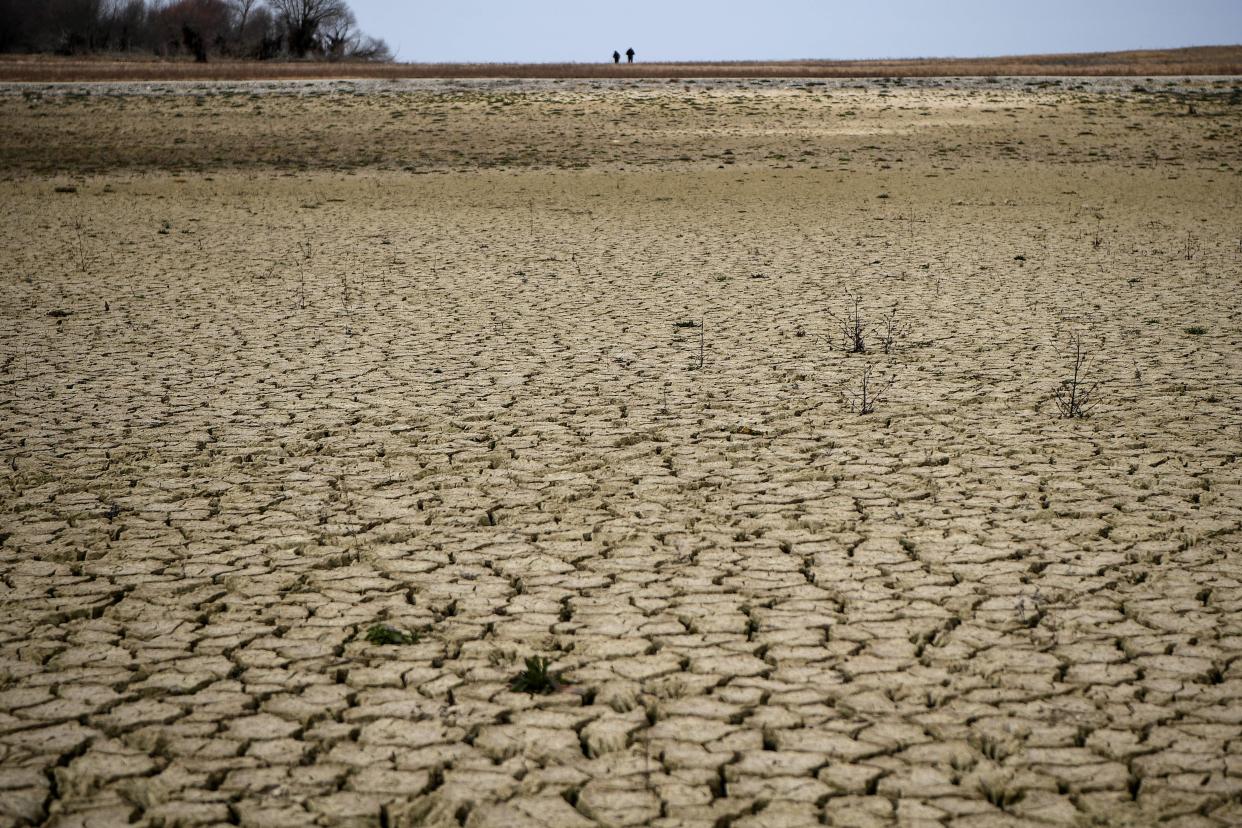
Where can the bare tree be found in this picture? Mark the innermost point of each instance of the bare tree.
(14, 32)
(195, 25)
(131, 24)
(253, 28)
(241, 16)
(304, 19)
(340, 39)
(70, 26)
(75, 25)
(371, 48)
(261, 38)
(338, 35)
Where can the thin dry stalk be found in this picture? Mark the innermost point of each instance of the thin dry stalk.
(872, 391)
(81, 254)
(1075, 396)
(306, 252)
(892, 328)
(702, 360)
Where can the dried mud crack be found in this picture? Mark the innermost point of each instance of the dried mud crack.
(520, 369)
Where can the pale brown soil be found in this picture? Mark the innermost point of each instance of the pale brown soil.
(411, 356)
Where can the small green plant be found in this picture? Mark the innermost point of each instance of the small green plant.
(535, 679)
(384, 634)
(1196, 330)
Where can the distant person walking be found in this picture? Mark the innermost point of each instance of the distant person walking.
(616, 57)
(629, 54)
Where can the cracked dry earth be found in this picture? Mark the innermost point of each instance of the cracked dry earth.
(252, 409)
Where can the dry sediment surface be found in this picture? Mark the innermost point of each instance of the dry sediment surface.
(550, 369)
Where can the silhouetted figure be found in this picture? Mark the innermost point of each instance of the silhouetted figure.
(616, 57)
(629, 54)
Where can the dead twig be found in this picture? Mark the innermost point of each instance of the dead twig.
(1075, 396)
(872, 391)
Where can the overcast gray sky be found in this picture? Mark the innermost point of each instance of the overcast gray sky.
(587, 30)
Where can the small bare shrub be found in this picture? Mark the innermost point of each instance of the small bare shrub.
(891, 329)
(851, 326)
(872, 391)
(1076, 396)
(855, 334)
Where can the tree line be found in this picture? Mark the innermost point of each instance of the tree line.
(247, 29)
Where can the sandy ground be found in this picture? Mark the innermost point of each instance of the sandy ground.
(280, 363)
